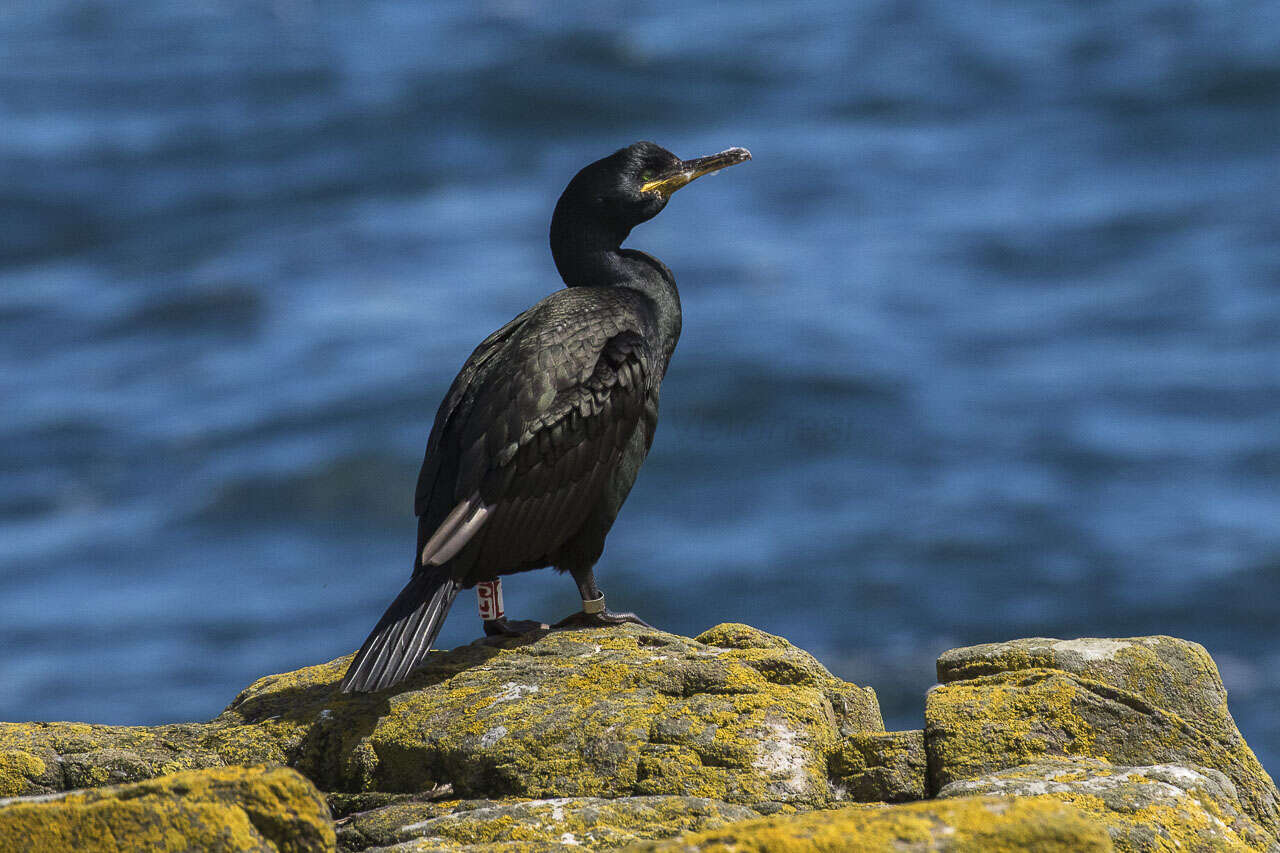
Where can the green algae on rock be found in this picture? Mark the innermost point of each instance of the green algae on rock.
(223, 809)
(1016, 709)
(969, 825)
(1146, 809)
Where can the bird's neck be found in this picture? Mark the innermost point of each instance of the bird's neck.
(593, 266)
(650, 276)
(587, 252)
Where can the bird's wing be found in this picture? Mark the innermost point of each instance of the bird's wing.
(475, 364)
(534, 425)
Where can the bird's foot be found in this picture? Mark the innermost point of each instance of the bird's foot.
(601, 619)
(504, 627)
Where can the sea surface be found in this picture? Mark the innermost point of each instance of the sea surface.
(984, 343)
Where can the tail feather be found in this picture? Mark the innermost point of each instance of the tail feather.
(404, 634)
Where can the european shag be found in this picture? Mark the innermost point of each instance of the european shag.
(542, 433)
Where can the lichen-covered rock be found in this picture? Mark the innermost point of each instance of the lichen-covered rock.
(41, 758)
(1176, 675)
(1022, 702)
(1146, 809)
(736, 714)
(969, 825)
(601, 738)
(344, 805)
(584, 823)
(224, 809)
(625, 711)
(881, 766)
(24, 771)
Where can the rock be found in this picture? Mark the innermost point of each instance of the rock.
(1131, 702)
(881, 766)
(736, 715)
(602, 738)
(1161, 807)
(627, 711)
(22, 771)
(978, 824)
(41, 758)
(225, 809)
(350, 805)
(1176, 675)
(589, 823)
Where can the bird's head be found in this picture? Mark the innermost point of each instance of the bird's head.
(633, 184)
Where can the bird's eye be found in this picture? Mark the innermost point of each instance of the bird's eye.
(647, 175)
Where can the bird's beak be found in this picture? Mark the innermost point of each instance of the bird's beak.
(689, 170)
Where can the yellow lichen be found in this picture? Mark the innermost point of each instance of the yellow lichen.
(969, 825)
(993, 722)
(1188, 824)
(222, 809)
(17, 770)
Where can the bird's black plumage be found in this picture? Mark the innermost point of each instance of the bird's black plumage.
(541, 436)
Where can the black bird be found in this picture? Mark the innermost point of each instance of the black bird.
(543, 432)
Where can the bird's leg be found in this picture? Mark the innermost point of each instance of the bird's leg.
(594, 614)
(496, 624)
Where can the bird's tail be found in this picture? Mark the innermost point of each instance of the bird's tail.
(404, 634)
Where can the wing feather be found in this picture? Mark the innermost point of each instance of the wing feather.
(532, 427)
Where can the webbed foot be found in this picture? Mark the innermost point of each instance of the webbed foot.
(602, 619)
(504, 627)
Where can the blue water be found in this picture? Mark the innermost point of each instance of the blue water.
(984, 343)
